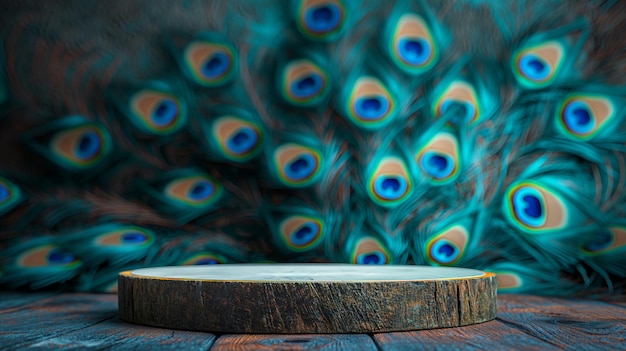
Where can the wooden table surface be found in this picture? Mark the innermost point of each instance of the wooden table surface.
(89, 322)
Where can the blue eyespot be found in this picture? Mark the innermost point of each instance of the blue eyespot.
(300, 232)
(534, 67)
(307, 86)
(304, 83)
(305, 234)
(536, 209)
(372, 258)
(206, 261)
(216, 65)
(533, 206)
(88, 145)
(301, 167)
(210, 60)
(322, 19)
(134, 238)
(243, 141)
(156, 110)
(390, 187)
(528, 207)
(369, 250)
(164, 113)
(437, 165)
(297, 165)
(601, 241)
(414, 51)
(59, 257)
(444, 252)
(537, 66)
(578, 118)
(372, 107)
(202, 190)
(4, 193)
(389, 183)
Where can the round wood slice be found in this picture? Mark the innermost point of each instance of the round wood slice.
(306, 298)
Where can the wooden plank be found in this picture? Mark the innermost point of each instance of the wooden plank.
(14, 299)
(492, 335)
(53, 317)
(78, 321)
(527, 322)
(322, 342)
(566, 323)
(117, 335)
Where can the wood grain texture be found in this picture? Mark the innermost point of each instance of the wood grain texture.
(88, 322)
(117, 335)
(53, 317)
(493, 335)
(306, 307)
(527, 322)
(321, 342)
(14, 299)
(572, 324)
(43, 321)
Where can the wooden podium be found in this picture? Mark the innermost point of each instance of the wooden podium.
(306, 298)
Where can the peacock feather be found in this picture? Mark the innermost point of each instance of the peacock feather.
(471, 133)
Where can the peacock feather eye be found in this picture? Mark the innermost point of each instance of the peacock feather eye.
(321, 19)
(204, 258)
(412, 46)
(370, 251)
(198, 190)
(538, 65)
(508, 280)
(447, 247)
(461, 96)
(390, 183)
(297, 165)
(157, 112)
(534, 208)
(301, 233)
(40, 265)
(606, 241)
(370, 104)
(439, 158)
(81, 146)
(10, 195)
(581, 116)
(182, 194)
(237, 139)
(303, 83)
(48, 256)
(210, 61)
(126, 238)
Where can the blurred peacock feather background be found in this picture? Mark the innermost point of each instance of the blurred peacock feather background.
(471, 133)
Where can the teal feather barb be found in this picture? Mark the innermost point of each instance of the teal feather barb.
(476, 133)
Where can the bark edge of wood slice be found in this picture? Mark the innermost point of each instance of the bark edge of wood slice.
(306, 298)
